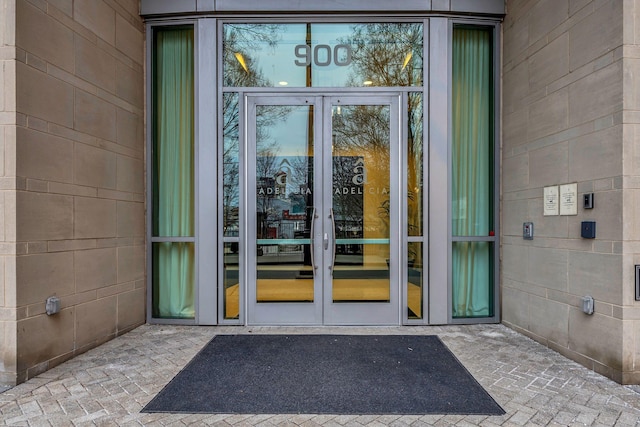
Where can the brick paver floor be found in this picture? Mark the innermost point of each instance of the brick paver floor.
(110, 384)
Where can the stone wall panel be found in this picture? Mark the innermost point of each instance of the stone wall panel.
(580, 100)
(71, 167)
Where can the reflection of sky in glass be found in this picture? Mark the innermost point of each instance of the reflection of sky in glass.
(289, 133)
(277, 62)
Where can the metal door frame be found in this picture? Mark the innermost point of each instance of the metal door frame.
(366, 313)
(302, 313)
(322, 310)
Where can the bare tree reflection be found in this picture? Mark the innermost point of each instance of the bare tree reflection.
(361, 168)
(386, 54)
(383, 54)
(266, 175)
(415, 174)
(239, 71)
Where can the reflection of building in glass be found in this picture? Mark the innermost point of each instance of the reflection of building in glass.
(281, 213)
(280, 185)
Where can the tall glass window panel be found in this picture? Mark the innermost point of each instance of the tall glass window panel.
(231, 204)
(231, 166)
(415, 159)
(173, 172)
(472, 189)
(323, 55)
(415, 203)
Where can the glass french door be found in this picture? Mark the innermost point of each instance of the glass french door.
(322, 201)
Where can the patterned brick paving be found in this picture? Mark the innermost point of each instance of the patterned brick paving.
(109, 385)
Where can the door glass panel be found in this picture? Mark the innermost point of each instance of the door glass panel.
(361, 203)
(284, 203)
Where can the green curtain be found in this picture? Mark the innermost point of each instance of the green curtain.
(173, 172)
(472, 160)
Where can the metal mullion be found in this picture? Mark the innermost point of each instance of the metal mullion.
(149, 172)
(207, 245)
(401, 253)
(437, 102)
(473, 239)
(497, 114)
(243, 220)
(402, 163)
(426, 138)
(173, 240)
(320, 18)
(327, 91)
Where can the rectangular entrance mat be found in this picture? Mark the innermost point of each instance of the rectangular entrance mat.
(324, 374)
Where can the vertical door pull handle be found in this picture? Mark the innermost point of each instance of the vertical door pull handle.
(311, 247)
(333, 230)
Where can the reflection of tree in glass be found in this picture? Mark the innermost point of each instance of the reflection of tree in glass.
(386, 54)
(301, 166)
(240, 41)
(391, 54)
(265, 176)
(348, 207)
(231, 171)
(362, 131)
(415, 158)
(269, 162)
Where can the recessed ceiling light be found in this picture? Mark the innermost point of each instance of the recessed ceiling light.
(283, 83)
(368, 83)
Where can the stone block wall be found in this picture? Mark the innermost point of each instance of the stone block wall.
(73, 166)
(630, 311)
(8, 310)
(567, 92)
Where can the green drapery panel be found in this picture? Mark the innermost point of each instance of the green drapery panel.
(173, 210)
(174, 277)
(472, 170)
(472, 279)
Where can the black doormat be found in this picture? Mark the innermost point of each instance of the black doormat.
(324, 374)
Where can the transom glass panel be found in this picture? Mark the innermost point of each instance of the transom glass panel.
(323, 55)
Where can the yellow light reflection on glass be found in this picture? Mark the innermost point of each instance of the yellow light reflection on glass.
(241, 60)
(406, 60)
